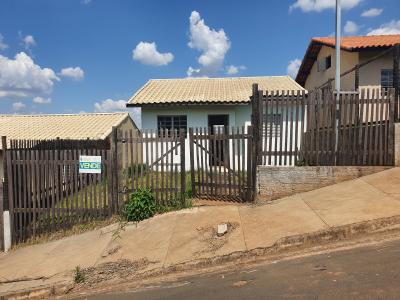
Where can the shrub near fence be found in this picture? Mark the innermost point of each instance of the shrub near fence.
(153, 160)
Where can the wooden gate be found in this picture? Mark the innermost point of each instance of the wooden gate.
(153, 160)
(221, 163)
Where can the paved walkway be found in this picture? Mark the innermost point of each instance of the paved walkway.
(182, 236)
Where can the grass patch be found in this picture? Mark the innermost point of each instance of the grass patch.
(79, 275)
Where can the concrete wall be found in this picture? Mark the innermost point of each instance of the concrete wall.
(370, 74)
(348, 61)
(278, 182)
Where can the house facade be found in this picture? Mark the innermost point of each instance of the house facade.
(94, 126)
(318, 65)
(175, 104)
(202, 102)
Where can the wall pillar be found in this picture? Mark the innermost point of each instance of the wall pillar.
(397, 144)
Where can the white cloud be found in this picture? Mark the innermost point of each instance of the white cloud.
(372, 12)
(393, 27)
(28, 41)
(232, 70)
(212, 44)
(147, 54)
(74, 73)
(320, 5)
(110, 105)
(293, 67)
(17, 106)
(350, 28)
(86, 1)
(3, 45)
(21, 77)
(41, 100)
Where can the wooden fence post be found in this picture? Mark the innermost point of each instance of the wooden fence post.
(191, 146)
(182, 136)
(396, 80)
(1, 208)
(114, 169)
(392, 118)
(251, 164)
(10, 193)
(255, 121)
(5, 176)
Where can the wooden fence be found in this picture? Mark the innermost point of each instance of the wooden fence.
(152, 160)
(46, 191)
(298, 129)
(1, 216)
(221, 163)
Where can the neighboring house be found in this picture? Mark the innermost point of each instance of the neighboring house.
(318, 65)
(63, 126)
(203, 102)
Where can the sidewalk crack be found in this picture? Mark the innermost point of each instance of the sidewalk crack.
(242, 227)
(169, 242)
(379, 190)
(314, 211)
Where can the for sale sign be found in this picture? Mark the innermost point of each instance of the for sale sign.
(90, 164)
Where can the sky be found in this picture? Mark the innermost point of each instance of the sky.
(74, 56)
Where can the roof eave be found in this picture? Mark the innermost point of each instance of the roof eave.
(188, 103)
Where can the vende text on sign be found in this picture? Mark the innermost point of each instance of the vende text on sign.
(90, 164)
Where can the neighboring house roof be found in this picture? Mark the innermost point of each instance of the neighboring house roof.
(228, 90)
(348, 43)
(64, 126)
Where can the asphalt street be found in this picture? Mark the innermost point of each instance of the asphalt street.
(371, 272)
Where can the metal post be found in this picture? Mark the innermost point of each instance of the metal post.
(337, 74)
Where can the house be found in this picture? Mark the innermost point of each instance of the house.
(63, 126)
(372, 54)
(204, 102)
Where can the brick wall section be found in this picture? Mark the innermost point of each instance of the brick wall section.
(278, 182)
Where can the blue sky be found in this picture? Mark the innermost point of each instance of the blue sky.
(64, 56)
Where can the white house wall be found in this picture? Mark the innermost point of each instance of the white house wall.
(239, 116)
(197, 116)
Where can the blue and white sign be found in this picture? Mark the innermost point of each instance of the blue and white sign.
(90, 164)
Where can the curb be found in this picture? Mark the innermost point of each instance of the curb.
(284, 245)
(290, 244)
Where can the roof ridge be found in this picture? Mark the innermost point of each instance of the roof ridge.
(63, 115)
(356, 36)
(219, 78)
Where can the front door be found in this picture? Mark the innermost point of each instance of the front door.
(217, 124)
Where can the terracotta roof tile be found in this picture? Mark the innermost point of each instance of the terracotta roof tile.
(360, 42)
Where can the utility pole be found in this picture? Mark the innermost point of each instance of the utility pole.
(337, 74)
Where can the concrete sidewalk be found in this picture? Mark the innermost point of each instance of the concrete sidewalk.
(179, 237)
